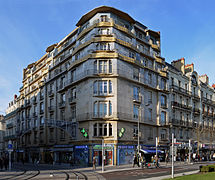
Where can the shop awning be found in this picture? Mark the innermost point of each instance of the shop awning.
(151, 151)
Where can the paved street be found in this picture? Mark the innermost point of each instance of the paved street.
(44, 171)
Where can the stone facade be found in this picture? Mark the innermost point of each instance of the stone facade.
(101, 83)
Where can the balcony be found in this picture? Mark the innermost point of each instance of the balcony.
(61, 86)
(51, 93)
(180, 90)
(181, 106)
(51, 108)
(27, 103)
(72, 99)
(11, 137)
(10, 125)
(206, 100)
(41, 97)
(163, 105)
(137, 99)
(34, 100)
(34, 114)
(62, 104)
(196, 111)
(196, 97)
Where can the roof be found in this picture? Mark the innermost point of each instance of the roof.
(156, 34)
(171, 66)
(90, 14)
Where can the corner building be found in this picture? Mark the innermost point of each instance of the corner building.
(94, 86)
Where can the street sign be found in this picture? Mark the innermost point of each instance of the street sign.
(10, 146)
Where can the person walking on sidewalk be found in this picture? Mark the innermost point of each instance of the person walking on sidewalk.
(94, 163)
(135, 161)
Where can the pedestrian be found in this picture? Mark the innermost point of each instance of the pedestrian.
(6, 162)
(143, 161)
(94, 163)
(135, 160)
(1, 163)
(166, 158)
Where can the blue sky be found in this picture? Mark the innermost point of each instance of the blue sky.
(28, 27)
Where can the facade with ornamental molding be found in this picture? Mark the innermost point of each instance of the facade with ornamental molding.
(101, 83)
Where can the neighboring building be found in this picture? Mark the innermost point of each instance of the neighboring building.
(192, 108)
(2, 132)
(101, 83)
(10, 122)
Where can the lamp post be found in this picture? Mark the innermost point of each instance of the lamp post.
(172, 155)
(138, 137)
(102, 155)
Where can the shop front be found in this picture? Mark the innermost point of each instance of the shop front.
(125, 154)
(81, 155)
(62, 154)
(108, 152)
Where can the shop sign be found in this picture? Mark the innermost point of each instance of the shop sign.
(126, 147)
(62, 149)
(106, 147)
(81, 147)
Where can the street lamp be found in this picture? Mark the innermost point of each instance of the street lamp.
(138, 137)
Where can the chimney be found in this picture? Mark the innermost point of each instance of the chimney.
(179, 64)
(204, 78)
(189, 68)
(15, 96)
(213, 86)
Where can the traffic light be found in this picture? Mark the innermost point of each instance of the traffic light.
(122, 130)
(84, 132)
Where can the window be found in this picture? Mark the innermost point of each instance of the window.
(102, 66)
(73, 93)
(163, 84)
(163, 134)
(62, 134)
(149, 78)
(149, 97)
(179, 83)
(135, 131)
(103, 46)
(150, 114)
(163, 118)
(102, 109)
(41, 120)
(104, 18)
(150, 137)
(163, 101)
(172, 81)
(131, 54)
(136, 72)
(95, 129)
(62, 115)
(63, 98)
(103, 31)
(110, 129)
(110, 108)
(102, 87)
(51, 101)
(41, 107)
(73, 112)
(181, 133)
(136, 92)
(110, 87)
(102, 129)
(73, 75)
(135, 111)
(51, 134)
